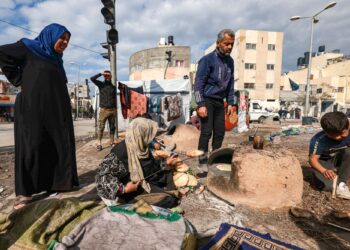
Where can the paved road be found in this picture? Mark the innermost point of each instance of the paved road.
(82, 127)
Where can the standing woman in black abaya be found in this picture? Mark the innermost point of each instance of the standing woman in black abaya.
(44, 134)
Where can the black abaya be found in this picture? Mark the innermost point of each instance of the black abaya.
(44, 135)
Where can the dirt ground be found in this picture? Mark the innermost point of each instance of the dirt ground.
(312, 233)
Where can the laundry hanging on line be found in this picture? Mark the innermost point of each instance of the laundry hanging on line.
(125, 97)
(138, 104)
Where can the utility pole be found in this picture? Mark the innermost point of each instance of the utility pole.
(108, 12)
(307, 120)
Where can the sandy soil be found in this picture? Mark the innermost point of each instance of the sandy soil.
(312, 233)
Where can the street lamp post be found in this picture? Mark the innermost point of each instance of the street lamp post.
(306, 119)
(77, 89)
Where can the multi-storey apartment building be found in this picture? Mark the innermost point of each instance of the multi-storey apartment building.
(330, 77)
(258, 63)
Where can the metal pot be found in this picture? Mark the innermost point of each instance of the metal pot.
(258, 142)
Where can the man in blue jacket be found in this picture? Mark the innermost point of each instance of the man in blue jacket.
(213, 84)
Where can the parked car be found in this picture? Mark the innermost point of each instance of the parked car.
(258, 114)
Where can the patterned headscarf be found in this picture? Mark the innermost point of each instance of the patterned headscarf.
(139, 134)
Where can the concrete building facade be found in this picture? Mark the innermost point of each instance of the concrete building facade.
(166, 61)
(258, 63)
(330, 77)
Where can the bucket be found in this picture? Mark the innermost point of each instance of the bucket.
(306, 120)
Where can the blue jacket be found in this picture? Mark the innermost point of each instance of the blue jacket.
(214, 78)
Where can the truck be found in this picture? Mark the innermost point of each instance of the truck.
(258, 114)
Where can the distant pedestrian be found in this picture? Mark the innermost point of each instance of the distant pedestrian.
(297, 113)
(108, 106)
(91, 112)
(44, 135)
(214, 83)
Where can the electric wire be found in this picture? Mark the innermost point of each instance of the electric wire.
(26, 29)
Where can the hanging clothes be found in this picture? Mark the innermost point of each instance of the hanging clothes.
(122, 95)
(174, 104)
(138, 104)
(155, 104)
(125, 97)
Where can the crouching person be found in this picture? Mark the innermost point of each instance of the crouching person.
(121, 175)
(330, 154)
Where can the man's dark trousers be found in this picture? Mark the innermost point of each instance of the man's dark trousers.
(213, 123)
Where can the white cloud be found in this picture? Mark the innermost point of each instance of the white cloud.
(7, 4)
(193, 23)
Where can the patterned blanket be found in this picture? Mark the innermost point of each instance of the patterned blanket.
(230, 237)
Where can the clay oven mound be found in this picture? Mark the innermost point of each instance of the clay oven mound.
(184, 136)
(257, 178)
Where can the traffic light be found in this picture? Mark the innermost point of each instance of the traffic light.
(112, 36)
(108, 12)
(106, 55)
(168, 52)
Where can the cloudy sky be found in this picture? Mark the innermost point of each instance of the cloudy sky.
(193, 23)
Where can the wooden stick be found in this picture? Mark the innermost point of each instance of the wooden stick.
(337, 226)
(335, 181)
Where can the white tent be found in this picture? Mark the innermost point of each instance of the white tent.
(161, 88)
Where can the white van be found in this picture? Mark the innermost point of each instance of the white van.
(258, 114)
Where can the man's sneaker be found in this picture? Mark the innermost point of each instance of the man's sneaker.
(343, 191)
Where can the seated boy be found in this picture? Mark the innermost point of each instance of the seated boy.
(330, 153)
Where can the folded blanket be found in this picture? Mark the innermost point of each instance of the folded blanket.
(38, 223)
(114, 230)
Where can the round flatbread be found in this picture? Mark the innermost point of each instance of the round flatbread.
(182, 168)
(160, 154)
(192, 181)
(180, 179)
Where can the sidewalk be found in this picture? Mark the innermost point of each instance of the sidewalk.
(88, 160)
(82, 128)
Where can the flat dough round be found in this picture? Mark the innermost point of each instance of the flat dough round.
(194, 153)
(224, 167)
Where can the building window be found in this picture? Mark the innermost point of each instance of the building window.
(138, 67)
(249, 85)
(281, 87)
(269, 85)
(250, 46)
(319, 91)
(271, 47)
(340, 89)
(180, 63)
(270, 67)
(249, 65)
